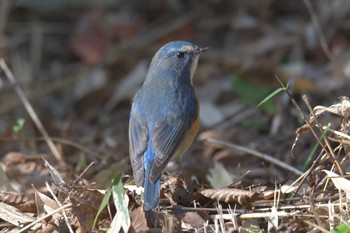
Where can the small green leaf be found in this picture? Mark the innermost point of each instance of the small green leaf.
(341, 228)
(82, 162)
(19, 125)
(105, 200)
(121, 202)
(253, 228)
(282, 84)
(275, 92)
(250, 93)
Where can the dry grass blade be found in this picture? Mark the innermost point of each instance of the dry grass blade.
(13, 215)
(328, 148)
(60, 205)
(24, 229)
(263, 156)
(31, 111)
(56, 176)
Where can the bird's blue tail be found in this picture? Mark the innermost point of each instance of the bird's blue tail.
(151, 190)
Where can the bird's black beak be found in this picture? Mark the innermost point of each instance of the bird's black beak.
(200, 50)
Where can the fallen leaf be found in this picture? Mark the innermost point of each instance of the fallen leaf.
(230, 195)
(219, 177)
(13, 215)
(121, 201)
(138, 221)
(339, 182)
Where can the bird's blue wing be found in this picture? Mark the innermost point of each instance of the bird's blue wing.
(168, 138)
(138, 140)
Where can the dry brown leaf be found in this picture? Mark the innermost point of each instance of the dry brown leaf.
(48, 228)
(28, 206)
(341, 109)
(49, 204)
(18, 164)
(193, 219)
(180, 191)
(13, 215)
(56, 176)
(5, 182)
(86, 202)
(40, 206)
(14, 197)
(229, 195)
(88, 196)
(156, 219)
(138, 221)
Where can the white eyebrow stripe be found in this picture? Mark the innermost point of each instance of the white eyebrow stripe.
(186, 48)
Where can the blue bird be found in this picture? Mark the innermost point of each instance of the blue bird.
(164, 116)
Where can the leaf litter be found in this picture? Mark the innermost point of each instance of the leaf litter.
(79, 67)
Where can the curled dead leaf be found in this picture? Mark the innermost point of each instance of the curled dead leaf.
(179, 191)
(138, 221)
(229, 195)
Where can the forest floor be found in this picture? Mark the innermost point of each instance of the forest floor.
(68, 72)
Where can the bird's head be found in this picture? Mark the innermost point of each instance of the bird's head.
(179, 58)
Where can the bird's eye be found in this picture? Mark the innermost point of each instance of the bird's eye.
(180, 55)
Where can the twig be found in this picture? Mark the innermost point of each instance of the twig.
(316, 226)
(56, 139)
(328, 146)
(313, 209)
(83, 173)
(302, 115)
(257, 154)
(24, 229)
(59, 203)
(45, 89)
(30, 110)
(238, 179)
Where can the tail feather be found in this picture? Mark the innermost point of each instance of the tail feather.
(151, 190)
(151, 194)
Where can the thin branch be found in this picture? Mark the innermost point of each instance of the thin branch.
(257, 154)
(30, 110)
(63, 141)
(328, 146)
(24, 229)
(60, 205)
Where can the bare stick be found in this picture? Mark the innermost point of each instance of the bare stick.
(327, 146)
(263, 156)
(24, 229)
(30, 110)
(60, 205)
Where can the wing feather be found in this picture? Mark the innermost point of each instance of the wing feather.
(138, 140)
(168, 137)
